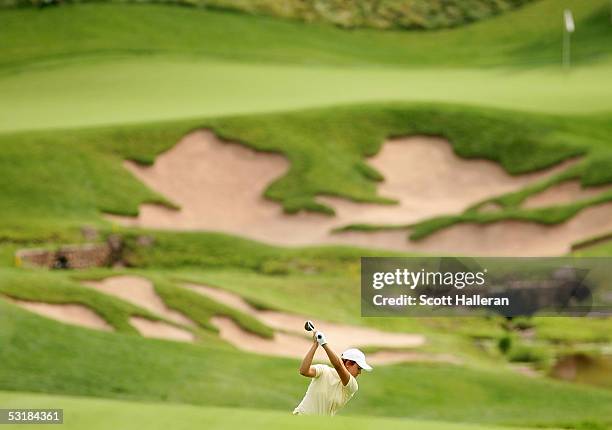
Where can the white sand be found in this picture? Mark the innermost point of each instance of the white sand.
(139, 291)
(161, 330)
(563, 193)
(67, 313)
(343, 334)
(219, 187)
(290, 339)
(283, 345)
(516, 238)
(295, 346)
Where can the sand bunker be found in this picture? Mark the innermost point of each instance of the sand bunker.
(219, 187)
(290, 339)
(512, 238)
(282, 344)
(343, 334)
(289, 345)
(161, 330)
(67, 313)
(563, 193)
(139, 291)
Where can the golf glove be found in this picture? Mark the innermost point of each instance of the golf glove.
(321, 338)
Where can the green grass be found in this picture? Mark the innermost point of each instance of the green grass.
(529, 36)
(101, 414)
(509, 208)
(62, 359)
(516, 198)
(145, 89)
(207, 250)
(118, 63)
(547, 216)
(54, 288)
(338, 300)
(7, 254)
(525, 353)
(285, 279)
(563, 330)
(601, 248)
(200, 308)
(60, 287)
(337, 294)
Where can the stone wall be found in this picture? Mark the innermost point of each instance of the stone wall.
(72, 256)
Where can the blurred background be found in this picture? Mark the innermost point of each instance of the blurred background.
(184, 183)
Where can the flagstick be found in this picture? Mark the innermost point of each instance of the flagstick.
(566, 50)
(569, 27)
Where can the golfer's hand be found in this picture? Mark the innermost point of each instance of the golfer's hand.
(320, 337)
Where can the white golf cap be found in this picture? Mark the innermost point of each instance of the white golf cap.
(358, 357)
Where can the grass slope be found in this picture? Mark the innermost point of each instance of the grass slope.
(57, 358)
(146, 89)
(530, 35)
(99, 414)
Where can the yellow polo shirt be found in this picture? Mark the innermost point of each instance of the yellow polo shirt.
(326, 394)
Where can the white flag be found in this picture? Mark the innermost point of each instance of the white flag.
(569, 21)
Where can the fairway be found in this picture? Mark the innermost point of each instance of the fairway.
(148, 89)
(97, 414)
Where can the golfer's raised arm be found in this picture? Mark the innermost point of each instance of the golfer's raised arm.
(306, 368)
(344, 374)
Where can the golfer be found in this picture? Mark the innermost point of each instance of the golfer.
(330, 388)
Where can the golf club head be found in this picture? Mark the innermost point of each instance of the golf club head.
(309, 326)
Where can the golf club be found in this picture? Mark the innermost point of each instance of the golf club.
(309, 326)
